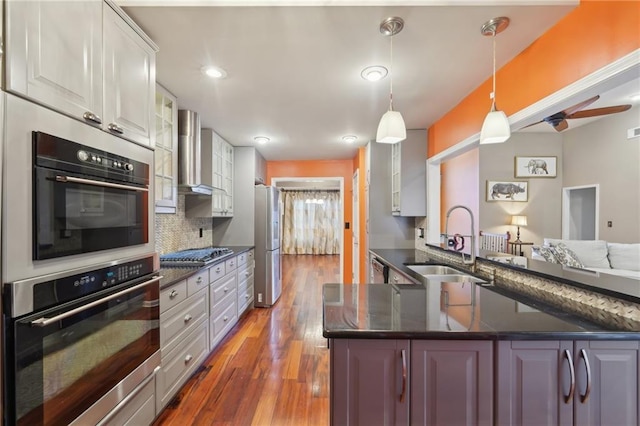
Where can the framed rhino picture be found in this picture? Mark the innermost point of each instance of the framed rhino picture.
(499, 190)
(535, 167)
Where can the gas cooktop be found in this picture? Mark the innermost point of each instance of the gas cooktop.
(194, 257)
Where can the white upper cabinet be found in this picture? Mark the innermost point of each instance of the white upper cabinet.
(409, 175)
(129, 80)
(85, 60)
(166, 151)
(54, 54)
(222, 205)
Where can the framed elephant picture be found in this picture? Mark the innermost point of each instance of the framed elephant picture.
(498, 190)
(535, 167)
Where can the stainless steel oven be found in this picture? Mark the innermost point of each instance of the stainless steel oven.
(77, 343)
(86, 199)
(73, 195)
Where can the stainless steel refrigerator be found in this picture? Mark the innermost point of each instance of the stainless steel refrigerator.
(267, 280)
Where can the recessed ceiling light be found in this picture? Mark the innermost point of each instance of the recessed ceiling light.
(214, 72)
(374, 73)
(261, 139)
(349, 138)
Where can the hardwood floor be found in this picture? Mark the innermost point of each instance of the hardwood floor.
(273, 367)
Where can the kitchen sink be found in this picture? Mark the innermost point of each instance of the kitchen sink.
(444, 274)
(434, 270)
(454, 278)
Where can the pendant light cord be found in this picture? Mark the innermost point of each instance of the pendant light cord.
(391, 75)
(493, 93)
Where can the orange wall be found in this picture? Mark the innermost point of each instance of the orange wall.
(358, 163)
(323, 168)
(591, 36)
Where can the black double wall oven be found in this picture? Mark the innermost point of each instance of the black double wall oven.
(81, 317)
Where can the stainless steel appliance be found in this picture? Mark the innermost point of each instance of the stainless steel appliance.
(379, 273)
(267, 280)
(195, 257)
(77, 343)
(86, 199)
(195, 156)
(81, 206)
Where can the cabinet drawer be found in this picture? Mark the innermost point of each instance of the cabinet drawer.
(180, 363)
(244, 283)
(197, 282)
(216, 272)
(171, 296)
(245, 298)
(231, 264)
(221, 288)
(245, 271)
(396, 277)
(223, 304)
(226, 318)
(181, 319)
(250, 256)
(242, 258)
(139, 410)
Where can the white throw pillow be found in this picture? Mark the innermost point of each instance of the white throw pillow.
(592, 253)
(624, 256)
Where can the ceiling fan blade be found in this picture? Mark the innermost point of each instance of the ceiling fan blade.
(561, 126)
(578, 107)
(533, 124)
(599, 111)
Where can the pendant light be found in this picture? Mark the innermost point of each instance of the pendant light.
(495, 128)
(391, 128)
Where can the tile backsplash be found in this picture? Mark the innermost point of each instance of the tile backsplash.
(175, 232)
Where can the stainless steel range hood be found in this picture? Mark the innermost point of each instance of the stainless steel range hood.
(194, 157)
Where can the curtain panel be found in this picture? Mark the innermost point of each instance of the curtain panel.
(311, 222)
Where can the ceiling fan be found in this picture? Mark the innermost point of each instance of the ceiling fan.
(559, 119)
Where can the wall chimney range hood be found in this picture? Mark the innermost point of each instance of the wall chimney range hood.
(194, 157)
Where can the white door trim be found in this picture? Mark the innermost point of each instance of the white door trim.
(355, 229)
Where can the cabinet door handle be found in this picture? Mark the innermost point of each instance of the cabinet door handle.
(225, 319)
(199, 280)
(218, 269)
(113, 127)
(403, 356)
(587, 392)
(226, 289)
(188, 358)
(187, 318)
(173, 294)
(572, 375)
(89, 116)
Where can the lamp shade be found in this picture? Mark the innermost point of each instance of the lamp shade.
(519, 220)
(391, 128)
(495, 128)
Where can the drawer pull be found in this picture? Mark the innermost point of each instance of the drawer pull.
(187, 318)
(188, 358)
(226, 289)
(199, 280)
(246, 296)
(225, 319)
(173, 294)
(218, 269)
(89, 116)
(113, 127)
(246, 274)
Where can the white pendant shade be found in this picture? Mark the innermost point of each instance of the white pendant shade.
(495, 128)
(391, 128)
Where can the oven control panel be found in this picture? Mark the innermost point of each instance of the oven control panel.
(72, 287)
(104, 160)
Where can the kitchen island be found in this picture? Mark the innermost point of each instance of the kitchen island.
(463, 353)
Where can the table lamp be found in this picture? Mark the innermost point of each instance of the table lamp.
(518, 221)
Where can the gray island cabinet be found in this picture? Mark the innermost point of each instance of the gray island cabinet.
(493, 361)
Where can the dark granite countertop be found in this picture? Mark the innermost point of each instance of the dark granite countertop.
(440, 310)
(173, 274)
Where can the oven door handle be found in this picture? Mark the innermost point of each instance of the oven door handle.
(72, 179)
(43, 322)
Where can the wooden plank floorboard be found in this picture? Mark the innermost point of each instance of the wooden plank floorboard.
(273, 367)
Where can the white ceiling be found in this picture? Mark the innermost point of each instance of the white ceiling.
(294, 72)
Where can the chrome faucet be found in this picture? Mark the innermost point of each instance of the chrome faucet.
(472, 260)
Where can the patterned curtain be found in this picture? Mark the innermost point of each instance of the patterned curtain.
(311, 222)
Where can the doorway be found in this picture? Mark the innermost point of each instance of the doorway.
(580, 207)
(318, 183)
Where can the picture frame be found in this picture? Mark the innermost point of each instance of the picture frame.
(536, 167)
(501, 190)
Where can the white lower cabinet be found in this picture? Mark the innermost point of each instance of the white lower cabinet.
(245, 281)
(180, 363)
(223, 301)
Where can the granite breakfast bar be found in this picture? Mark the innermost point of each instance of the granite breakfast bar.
(463, 353)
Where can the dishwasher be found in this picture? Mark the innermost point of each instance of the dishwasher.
(379, 272)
